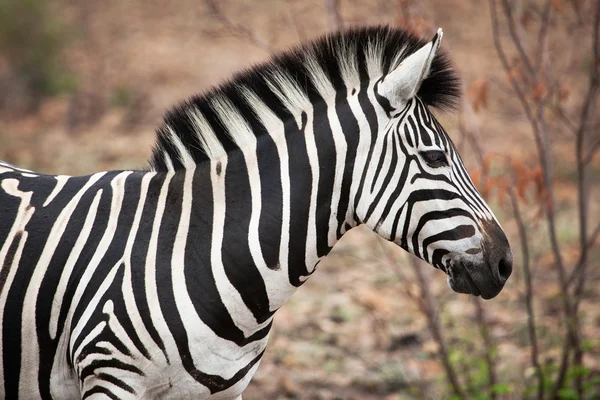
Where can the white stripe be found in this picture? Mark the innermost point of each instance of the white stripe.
(311, 256)
(23, 215)
(168, 161)
(118, 189)
(76, 250)
(290, 94)
(152, 298)
(277, 284)
(235, 125)
(127, 287)
(341, 148)
(360, 165)
(231, 298)
(87, 340)
(61, 180)
(209, 350)
(91, 307)
(209, 142)
(276, 128)
(30, 357)
(184, 155)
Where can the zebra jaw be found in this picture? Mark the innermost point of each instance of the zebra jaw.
(460, 280)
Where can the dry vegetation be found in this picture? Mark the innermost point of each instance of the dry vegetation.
(83, 84)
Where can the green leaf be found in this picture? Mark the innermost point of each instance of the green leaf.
(568, 394)
(501, 388)
(578, 370)
(587, 345)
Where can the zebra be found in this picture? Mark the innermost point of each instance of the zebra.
(162, 283)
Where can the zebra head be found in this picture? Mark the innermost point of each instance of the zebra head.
(420, 195)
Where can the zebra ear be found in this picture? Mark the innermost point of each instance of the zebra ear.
(404, 82)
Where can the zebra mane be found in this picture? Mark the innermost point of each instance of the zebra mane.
(226, 117)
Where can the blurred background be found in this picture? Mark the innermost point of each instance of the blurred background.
(84, 83)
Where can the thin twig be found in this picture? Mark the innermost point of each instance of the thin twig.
(593, 150)
(512, 29)
(582, 181)
(489, 347)
(235, 29)
(539, 59)
(528, 293)
(435, 329)
(539, 129)
(334, 18)
(590, 243)
(584, 122)
(426, 306)
(294, 22)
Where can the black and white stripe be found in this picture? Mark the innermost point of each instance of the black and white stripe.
(163, 283)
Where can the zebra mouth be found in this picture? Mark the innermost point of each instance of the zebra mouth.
(460, 280)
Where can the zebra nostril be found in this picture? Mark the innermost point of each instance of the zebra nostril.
(504, 269)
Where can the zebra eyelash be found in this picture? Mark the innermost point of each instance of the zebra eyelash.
(434, 158)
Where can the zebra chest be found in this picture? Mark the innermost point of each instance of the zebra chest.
(179, 356)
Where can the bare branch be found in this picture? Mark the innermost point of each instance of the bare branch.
(528, 293)
(593, 149)
(560, 113)
(468, 127)
(540, 132)
(582, 133)
(334, 18)
(542, 36)
(435, 329)
(576, 5)
(489, 347)
(294, 22)
(537, 125)
(425, 303)
(515, 38)
(590, 243)
(235, 29)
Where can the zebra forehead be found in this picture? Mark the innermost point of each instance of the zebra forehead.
(292, 81)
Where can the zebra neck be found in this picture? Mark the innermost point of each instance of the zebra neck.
(269, 216)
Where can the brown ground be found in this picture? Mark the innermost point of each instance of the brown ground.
(351, 332)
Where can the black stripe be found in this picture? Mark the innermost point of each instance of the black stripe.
(371, 116)
(99, 390)
(426, 121)
(38, 231)
(300, 192)
(401, 180)
(139, 253)
(435, 215)
(200, 283)
(326, 153)
(425, 195)
(113, 256)
(436, 259)
(49, 285)
(386, 182)
(382, 158)
(271, 193)
(98, 316)
(350, 128)
(216, 383)
(413, 128)
(115, 381)
(456, 233)
(237, 258)
(91, 368)
(407, 135)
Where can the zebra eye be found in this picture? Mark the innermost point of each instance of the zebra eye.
(435, 158)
